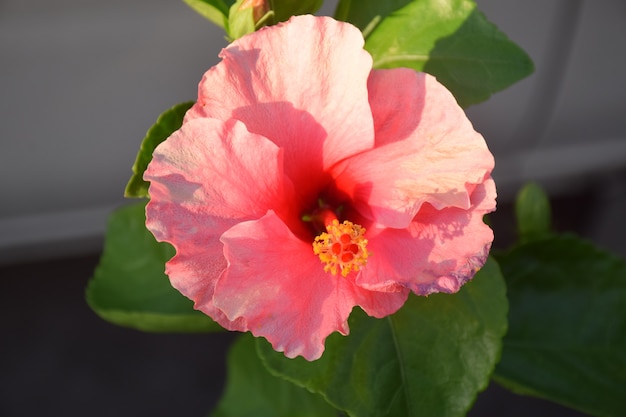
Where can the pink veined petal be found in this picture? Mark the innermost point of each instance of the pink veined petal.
(439, 252)
(303, 85)
(426, 151)
(204, 179)
(195, 268)
(220, 169)
(276, 284)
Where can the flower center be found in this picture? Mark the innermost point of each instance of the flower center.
(341, 247)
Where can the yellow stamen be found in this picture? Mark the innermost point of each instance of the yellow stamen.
(342, 247)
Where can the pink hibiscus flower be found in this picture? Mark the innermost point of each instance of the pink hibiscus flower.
(303, 183)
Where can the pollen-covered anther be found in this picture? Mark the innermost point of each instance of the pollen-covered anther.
(342, 248)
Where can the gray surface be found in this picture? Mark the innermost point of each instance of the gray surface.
(58, 359)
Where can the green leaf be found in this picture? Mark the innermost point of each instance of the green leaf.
(129, 286)
(429, 359)
(214, 10)
(284, 9)
(449, 39)
(251, 391)
(167, 123)
(532, 209)
(567, 331)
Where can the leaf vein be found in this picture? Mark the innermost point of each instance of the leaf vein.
(401, 363)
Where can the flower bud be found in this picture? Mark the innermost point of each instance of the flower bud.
(246, 16)
(259, 8)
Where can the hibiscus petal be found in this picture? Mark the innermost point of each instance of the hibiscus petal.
(205, 178)
(278, 286)
(439, 252)
(303, 85)
(195, 268)
(218, 168)
(426, 151)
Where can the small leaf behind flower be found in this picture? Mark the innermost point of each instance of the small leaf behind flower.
(168, 122)
(284, 9)
(567, 330)
(431, 358)
(532, 209)
(214, 10)
(129, 286)
(251, 391)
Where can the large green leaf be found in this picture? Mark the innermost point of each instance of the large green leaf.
(129, 286)
(429, 359)
(167, 123)
(251, 391)
(214, 10)
(450, 39)
(567, 331)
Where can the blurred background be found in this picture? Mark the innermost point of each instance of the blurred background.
(82, 80)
